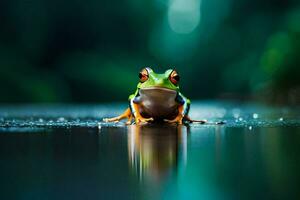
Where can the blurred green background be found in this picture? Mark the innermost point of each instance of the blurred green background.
(91, 51)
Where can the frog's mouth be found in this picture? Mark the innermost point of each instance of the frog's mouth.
(158, 92)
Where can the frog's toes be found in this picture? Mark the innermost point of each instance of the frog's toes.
(114, 119)
(148, 119)
(105, 120)
(199, 121)
(143, 120)
(176, 120)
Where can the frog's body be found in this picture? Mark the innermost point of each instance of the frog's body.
(158, 103)
(157, 98)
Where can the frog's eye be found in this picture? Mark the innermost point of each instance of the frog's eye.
(143, 75)
(174, 77)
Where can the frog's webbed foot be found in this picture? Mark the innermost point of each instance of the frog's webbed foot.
(129, 120)
(140, 119)
(177, 120)
(127, 114)
(113, 119)
(188, 119)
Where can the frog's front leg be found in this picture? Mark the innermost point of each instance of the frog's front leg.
(137, 115)
(183, 109)
(127, 114)
(179, 118)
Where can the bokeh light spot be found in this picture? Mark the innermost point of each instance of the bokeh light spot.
(184, 15)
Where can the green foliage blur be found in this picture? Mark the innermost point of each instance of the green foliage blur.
(91, 51)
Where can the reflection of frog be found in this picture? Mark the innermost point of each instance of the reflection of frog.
(157, 151)
(157, 98)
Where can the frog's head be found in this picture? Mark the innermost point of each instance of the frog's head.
(149, 79)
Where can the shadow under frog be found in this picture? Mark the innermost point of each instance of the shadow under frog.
(156, 152)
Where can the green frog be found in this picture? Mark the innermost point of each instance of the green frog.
(157, 98)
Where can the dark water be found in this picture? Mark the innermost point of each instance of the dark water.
(68, 155)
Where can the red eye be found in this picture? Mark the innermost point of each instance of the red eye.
(174, 77)
(143, 75)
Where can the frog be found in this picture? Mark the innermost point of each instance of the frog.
(157, 99)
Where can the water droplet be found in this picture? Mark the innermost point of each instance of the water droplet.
(61, 119)
(280, 119)
(250, 128)
(255, 115)
(236, 112)
(240, 119)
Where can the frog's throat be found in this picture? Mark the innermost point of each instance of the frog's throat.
(158, 102)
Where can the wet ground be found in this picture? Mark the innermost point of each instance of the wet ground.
(66, 152)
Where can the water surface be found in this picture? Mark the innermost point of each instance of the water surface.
(65, 152)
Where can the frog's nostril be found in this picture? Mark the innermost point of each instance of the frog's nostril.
(159, 82)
